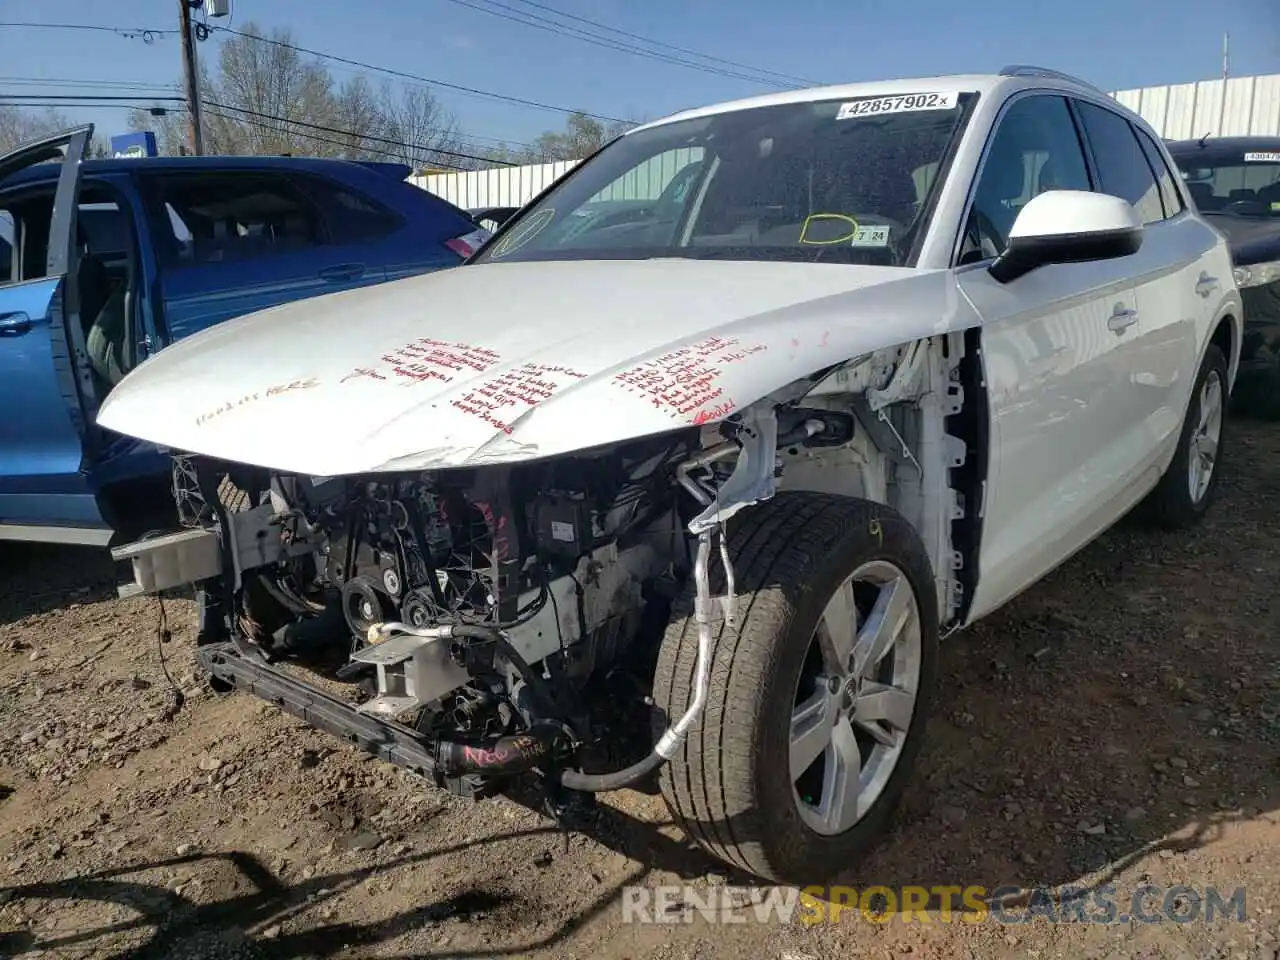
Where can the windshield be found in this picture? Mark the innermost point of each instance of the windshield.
(834, 181)
(1244, 185)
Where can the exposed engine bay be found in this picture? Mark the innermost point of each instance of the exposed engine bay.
(501, 620)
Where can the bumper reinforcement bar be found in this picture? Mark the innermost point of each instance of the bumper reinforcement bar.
(388, 741)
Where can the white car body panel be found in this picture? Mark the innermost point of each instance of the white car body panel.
(961, 83)
(1084, 412)
(1059, 384)
(311, 387)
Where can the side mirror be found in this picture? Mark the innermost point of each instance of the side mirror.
(1068, 226)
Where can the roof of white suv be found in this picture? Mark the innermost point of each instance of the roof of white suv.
(982, 83)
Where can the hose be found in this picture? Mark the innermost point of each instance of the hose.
(506, 755)
(604, 782)
(675, 735)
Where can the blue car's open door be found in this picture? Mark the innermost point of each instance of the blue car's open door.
(47, 404)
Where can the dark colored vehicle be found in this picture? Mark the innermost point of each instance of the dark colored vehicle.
(491, 218)
(105, 262)
(1235, 182)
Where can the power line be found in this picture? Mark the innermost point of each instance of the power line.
(138, 85)
(417, 78)
(460, 88)
(668, 46)
(336, 143)
(105, 97)
(142, 89)
(146, 34)
(354, 134)
(575, 33)
(253, 123)
(5, 102)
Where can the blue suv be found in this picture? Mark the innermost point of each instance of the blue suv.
(104, 262)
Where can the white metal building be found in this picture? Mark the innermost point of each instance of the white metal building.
(1234, 107)
(495, 187)
(1241, 106)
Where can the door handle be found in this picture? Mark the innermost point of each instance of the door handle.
(1121, 320)
(14, 324)
(343, 271)
(1206, 285)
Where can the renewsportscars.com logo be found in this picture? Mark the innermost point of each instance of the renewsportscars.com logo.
(1101, 904)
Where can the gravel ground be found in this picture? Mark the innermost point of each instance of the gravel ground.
(1119, 723)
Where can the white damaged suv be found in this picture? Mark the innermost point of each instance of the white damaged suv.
(714, 438)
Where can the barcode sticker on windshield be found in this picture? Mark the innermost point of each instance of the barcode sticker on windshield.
(876, 235)
(1262, 158)
(903, 103)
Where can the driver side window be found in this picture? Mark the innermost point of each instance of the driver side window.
(1035, 148)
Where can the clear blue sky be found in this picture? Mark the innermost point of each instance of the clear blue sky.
(1117, 44)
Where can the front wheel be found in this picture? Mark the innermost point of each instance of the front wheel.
(818, 696)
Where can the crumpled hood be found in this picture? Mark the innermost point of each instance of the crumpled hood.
(505, 362)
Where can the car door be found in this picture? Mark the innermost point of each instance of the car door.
(1171, 268)
(1054, 349)
(239, 241)
(46, 433)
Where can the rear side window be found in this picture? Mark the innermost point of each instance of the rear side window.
(1164, 176)
(229, 217)
(352, 216)
(1122, 166)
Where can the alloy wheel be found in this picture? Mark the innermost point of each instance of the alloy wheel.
(856, 697)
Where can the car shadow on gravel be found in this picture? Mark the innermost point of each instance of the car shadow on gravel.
(259, 924)
(38, 578)
(1126, 708)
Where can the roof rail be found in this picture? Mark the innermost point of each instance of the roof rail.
(1028, 70)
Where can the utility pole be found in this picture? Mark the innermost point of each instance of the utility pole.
(195, 132)
(1226, 73)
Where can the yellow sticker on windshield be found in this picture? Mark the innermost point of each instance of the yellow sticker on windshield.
(822, 229)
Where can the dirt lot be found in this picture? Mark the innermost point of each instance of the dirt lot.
(1118, 724)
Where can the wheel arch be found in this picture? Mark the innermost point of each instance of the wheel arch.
(1228, 336)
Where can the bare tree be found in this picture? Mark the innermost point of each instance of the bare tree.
(582, 136)
(356, 112)
(265, 97)
(259, 82)
(18, 125)
(421, 126)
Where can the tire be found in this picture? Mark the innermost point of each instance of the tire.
(723, 787)
(1172, 504)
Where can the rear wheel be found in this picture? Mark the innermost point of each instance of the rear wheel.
(818, 696)
(1187, 487)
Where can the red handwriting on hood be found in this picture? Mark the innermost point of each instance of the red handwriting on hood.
(685, 382)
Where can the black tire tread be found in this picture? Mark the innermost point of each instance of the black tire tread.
(1168, 505)
(707, 785)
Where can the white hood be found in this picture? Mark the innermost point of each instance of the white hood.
(504, 362)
